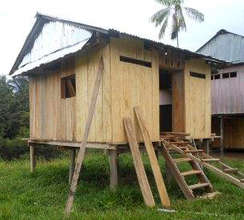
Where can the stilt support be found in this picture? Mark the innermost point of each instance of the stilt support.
(222, 136)
(113, 162)
(72, 164)
(32, 158)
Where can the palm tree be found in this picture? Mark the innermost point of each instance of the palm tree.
(173, 9)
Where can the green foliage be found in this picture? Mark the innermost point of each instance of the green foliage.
(42, 195)
(14, 117)
(14, 108)
(174, 11)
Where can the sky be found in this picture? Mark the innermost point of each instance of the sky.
(131, 16)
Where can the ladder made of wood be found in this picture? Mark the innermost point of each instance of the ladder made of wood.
(181, 177)
(178, 143)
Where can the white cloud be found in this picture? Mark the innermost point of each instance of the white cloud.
(132, 16)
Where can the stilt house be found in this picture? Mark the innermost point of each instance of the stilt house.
(227, 89)
(60, 57)
(160, 87)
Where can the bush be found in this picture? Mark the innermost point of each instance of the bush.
(12, 148)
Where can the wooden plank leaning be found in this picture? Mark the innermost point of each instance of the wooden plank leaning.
(153, 160)
(137, 160)
(82, 149)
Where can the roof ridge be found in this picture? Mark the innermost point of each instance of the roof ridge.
(69, 21)
(221, 31)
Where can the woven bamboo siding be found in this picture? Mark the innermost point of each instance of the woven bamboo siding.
(198, 100)
(134, 85)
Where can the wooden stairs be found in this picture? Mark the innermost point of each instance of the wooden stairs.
(175, 143)
(174, 158)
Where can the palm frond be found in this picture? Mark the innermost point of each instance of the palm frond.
(159, 16)
(166, 3)
(181, 19)
(163, 28)
(194, 14)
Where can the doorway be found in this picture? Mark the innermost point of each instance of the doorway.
(165, 100)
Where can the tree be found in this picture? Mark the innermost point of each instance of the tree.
(173, 10)
(14, 107)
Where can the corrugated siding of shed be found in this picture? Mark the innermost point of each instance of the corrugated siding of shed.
(228, 94)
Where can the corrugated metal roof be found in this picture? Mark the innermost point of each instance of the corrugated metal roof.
(225, 46)
(52, 38)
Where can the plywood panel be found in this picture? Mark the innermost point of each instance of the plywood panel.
(133, 85)
(233, 133)
(86, 70)
(197, 100)
(178, 102)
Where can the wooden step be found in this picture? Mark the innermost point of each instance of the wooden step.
(210, 195)
(230, 170)
(179, 143)
(211, 160)
(198, 185)
(184, 159)
(175, 133)
(193, 151)
(191, 172)
(242, 180)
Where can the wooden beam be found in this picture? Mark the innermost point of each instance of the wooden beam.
(177, 175)
(153, 159)
(137, 160)
(73, 144)
(32, 158)
(222, 136)
(113, 163)
(175, 133)
(81, 153)
(72, 164)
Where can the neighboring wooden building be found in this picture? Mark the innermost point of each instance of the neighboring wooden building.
(227, 88)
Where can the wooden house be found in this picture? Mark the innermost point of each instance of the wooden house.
(172, 86)
(96, 88)
(227, 89)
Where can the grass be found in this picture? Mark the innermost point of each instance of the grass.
(42, 195)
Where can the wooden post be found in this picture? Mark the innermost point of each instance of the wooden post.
(32, 158)
(82, 150)
(72, 164)
(168, 173)
(156, 147)
(163, 194)
(138, 163)
(206, 146)
(113, 163)
(221, 136)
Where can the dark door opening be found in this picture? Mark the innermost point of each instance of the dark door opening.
(165, 102)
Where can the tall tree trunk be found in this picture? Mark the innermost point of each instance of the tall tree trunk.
(177, 38)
